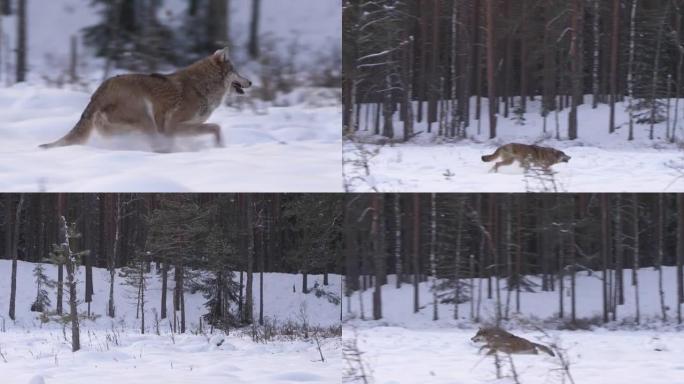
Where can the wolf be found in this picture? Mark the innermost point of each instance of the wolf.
(155, 104)
(498, 340)
(527, 155)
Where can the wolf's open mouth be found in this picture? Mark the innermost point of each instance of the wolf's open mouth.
(238, 88)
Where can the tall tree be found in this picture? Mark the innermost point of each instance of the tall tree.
(254, 29)
(21, 41)
(14, 246)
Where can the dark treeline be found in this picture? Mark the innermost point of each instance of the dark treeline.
(136, 35)
(504, 237)
(214, 243)
(440, 53)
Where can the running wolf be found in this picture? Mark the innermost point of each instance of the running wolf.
(498, 340)
(527, 155)
(170, 105)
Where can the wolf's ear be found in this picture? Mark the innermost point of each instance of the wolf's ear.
(223, 54)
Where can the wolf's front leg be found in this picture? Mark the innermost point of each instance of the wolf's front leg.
(201, 129)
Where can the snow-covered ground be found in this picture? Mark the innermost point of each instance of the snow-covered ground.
(266, 150)
(447, 356)
(404, 347)
(601, 162)
(268, 146)
(114, 349)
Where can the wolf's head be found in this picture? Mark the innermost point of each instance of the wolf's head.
(480, 336)
(232, 79)
(561, 157)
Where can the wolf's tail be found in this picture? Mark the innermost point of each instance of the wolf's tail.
(79, 134)
(491, 157)
(544, 348)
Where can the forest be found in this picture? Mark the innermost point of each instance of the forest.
(213, 243)
(449, 240)
(433, 65)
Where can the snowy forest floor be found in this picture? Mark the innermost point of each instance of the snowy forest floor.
(439, 356)
(406, 347)
(267, 148)
(115, 349)
(162, 359)
(601, 162)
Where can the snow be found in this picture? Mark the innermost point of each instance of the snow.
(447, 356)
(268, 146)
(404, 347)
(36, 351)
(266, 149)
(601, 162)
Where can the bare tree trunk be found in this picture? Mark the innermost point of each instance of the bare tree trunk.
(112, 261)
(249, 307)
(217, 25)
(21, 41)
(416, 250)
(613, 63)
(680, 256)
(377, 231)
(14, 245)
(397, 239)
(433, 261)
(659, 256)
(619, 254)
(630, 69)
(656, 69)
(254, 30)
(457, 260)
(597, 42)
(635, 279)
(604, 254)
(576, 64)
(165, 278)
(491, 86)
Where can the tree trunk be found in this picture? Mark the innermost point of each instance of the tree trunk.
(630, 69)
(254, 30)
(377, 233)
(659, 255)
(596, 48)
(433, 261)
(680, 255)
(14, 245)
(165, 278)
(248, 312)
(614, 63)
(605, 236)
(635, 279)
(21, 41)
(416, 250)
(457, 259)
(397, 239)
(491, 86)
(217, 25)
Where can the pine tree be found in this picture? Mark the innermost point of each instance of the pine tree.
(42, 301)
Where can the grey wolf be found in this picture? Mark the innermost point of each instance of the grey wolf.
(499, 340)
(527, 155)
(170, 105)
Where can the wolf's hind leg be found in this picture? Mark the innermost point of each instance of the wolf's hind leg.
(200, 129)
